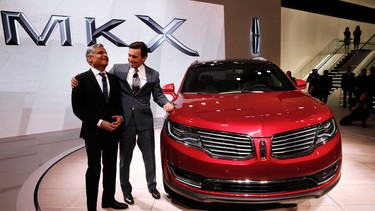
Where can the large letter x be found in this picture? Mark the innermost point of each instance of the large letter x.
(166, 34)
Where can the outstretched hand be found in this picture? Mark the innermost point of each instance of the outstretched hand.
(168, 107)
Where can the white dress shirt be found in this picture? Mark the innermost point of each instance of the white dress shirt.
(141, 74)
(99, 80)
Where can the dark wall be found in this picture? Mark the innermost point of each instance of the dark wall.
(238, 15)
(338, 9)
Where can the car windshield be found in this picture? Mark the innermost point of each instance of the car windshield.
(235, 78)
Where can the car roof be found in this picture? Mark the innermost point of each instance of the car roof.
(251, 61)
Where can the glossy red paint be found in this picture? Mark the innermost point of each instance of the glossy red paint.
(199, 134)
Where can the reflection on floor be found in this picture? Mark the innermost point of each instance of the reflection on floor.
(62, 188)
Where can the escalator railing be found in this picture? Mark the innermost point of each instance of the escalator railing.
(330, 54)
(334, 58)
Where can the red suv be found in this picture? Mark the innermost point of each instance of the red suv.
(241, 131)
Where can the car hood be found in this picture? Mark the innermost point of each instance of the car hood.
(256, 114)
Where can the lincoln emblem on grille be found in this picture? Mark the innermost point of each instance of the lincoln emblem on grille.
(263, 150)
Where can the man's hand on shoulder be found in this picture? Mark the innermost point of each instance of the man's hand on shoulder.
(74, 82)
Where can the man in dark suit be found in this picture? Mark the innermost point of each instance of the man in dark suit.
(347, 85)
(326, 84)
(138, 82)
(97, 103)
(314, 81)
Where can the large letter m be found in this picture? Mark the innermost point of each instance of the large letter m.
(11, 32)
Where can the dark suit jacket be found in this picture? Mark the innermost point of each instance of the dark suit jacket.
(139, 103)
(89, 104)
(347, 81)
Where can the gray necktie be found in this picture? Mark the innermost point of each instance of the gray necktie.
(105, 88)
(136, 83)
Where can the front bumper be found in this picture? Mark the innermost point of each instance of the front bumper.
(234, 191)
(194, 174)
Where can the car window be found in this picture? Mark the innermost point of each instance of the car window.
(237, 78)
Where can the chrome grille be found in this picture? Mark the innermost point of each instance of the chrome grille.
(227, 145)
(293, 143)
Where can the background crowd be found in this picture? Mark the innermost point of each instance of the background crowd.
(358, 92)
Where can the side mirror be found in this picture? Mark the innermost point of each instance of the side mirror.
(169, 89)
(301, 84)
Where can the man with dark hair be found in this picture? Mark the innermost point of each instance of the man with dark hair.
(140, 83)
(315, 88)
(293, 79)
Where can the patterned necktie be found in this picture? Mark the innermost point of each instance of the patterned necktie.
(105, 88)
(136, 83)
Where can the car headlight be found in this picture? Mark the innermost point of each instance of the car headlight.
(183, 134)
(326, 131)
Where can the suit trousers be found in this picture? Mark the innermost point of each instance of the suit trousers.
(100, 151)
(347, 93)
(145, 140)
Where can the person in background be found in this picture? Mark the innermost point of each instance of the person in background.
(293, 79)
(371, 93)
(359, 111)
(326, 83)
(314, 88)
(357, 37)
(347, 35)
(347, 85)
(97, 103)
(361, 83)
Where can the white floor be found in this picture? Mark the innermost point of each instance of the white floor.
(62, 188)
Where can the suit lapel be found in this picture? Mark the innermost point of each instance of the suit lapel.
(148, 73)
(111, 86)
(94, 81)
(124, 76)
(148, 78)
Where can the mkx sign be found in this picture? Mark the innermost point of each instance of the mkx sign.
(92, 32)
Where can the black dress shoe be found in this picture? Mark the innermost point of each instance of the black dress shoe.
(128, 198)
(155, 194)
(115, 205)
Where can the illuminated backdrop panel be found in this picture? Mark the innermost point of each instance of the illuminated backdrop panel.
(43, 45)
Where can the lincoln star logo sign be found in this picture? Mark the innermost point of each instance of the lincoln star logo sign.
(92, 33)
(255, 35)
